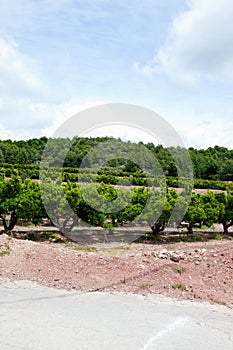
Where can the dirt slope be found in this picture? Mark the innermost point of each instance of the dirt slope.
(195, 271)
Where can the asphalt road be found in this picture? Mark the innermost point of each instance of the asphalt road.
(34, 317)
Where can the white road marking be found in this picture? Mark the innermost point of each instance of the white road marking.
(180, 321)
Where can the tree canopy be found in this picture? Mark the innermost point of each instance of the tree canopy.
(213, 163)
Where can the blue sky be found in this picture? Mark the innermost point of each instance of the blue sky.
(175, 57)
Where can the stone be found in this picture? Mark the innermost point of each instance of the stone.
(163, 256)
(175, 257)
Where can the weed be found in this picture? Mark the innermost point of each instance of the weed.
(40, 236)
(85, 248)
(5, 249)
(179, 285)
(179, 269)
(143, 286)
(68, 244)
(217, 236)
(118, 250)
(217, 301)
(169, 247)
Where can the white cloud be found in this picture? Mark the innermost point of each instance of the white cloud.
(199, 44)
(19, 74)
(25, 106)
(62, 112)
(200, 129)
(125, 132)
(28, 119)
(145, 70)
(207, 133)
(26, 109)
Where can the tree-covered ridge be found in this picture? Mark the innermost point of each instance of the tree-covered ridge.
(214, 163)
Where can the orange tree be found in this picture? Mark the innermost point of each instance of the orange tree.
(19, 199)
(225, 216)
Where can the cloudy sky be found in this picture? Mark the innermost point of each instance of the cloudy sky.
(175, 57)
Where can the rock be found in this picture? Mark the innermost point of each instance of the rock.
(182, 256)
(141, 266)
(175, 257)
(163, 256)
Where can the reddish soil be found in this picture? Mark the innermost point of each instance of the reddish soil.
(194, 271)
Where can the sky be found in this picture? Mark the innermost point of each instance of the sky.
(175, 57)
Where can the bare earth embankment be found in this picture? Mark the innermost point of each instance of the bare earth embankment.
(201, 271)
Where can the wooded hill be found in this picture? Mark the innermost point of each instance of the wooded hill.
(213, 163)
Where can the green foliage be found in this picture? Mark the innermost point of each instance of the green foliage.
(217, 236)
(179, 269)
(20, 199)
(225, 215)
(111, 206)
(213, 164)
(179, 285)
(5, 249)
(202, 210)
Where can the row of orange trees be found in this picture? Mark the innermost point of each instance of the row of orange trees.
(108, 176)
(21, 199)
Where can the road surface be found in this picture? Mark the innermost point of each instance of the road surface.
(33, 317)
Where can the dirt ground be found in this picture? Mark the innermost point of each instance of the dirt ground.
(200, 271)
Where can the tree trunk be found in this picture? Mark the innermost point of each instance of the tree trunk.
(69, 224)
(9, 224)
(157, 228)
(226, 226)
(190, 228)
